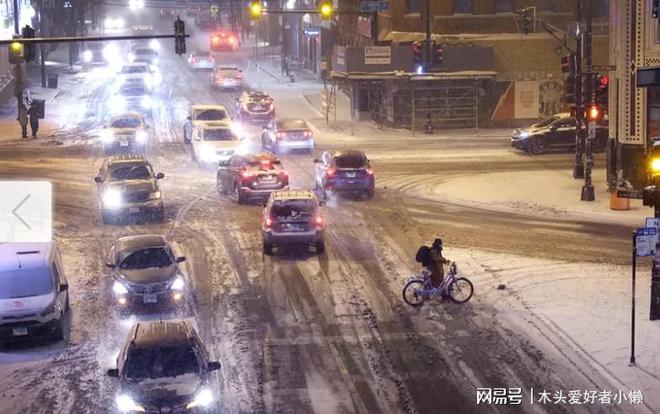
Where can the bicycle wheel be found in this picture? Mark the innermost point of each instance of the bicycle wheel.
(413, 293)
(461, 290)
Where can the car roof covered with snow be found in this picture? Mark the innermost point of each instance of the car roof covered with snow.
(162, 334)
(19, 256)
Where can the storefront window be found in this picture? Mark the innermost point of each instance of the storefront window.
(462, 6)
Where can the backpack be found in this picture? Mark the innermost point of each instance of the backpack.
(423, 255)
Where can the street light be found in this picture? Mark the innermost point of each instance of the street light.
(326, 10)
(255, 9)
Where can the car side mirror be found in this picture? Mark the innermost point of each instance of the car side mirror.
(213, 366)
(64, 287)
(110, 265)
(321, 202)
(98, 179)
(113, 372)
(160, 176)
(181, 259)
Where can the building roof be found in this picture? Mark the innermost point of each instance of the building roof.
(162, 334)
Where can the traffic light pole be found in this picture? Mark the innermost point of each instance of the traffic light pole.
(427, 44)
(578, 167)
(588, 193)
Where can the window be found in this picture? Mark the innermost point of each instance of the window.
(462, 6)
(413, 6)
(503, 6)
(56, 273)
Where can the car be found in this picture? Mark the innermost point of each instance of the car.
(255, 106)
(202, 114)
(146, 272)
(132, 97)
(34, 292)
(164, 367)
(127, 131)
(227, 77)
(136, 70)
(224, 40)
(556, 132)
(344, 172)
(144, 54)
(251, 176)
(127, 186)
(214, 142)
(207, 23)
(287, 134)
(201, 60)
(292, 217)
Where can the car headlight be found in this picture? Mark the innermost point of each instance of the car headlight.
(523, 134)
(154, 44)
(119, 288)
(112, 198)
(87, 56)
(156, 195)
(203, 399)
(107, 136)
(48, 309)
(126, 404)
(141, 136)
(154, 61)
(131, 57)
(146, 102)
(178, 284)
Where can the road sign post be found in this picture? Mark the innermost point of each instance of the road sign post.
(644, 245)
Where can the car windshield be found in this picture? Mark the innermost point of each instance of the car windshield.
(545, 122)
(134, 69)
(144, 52)
(24, 283)
(292, 124)
(161, 362)
(143, 259)
(202, 54)
(263, 162)
(258, 96)
(125, 123)
(219, 135)
(210, 115)
(351, 161)
(293, 208)
(132, 90)
(130, 172)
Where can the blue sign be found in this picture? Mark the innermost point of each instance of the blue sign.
(645, 241)
(373, 6)
(312, 31)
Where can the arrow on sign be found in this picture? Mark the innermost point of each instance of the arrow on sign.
(19, 206)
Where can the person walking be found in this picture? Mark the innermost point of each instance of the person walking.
(34, 120)
(23, 119)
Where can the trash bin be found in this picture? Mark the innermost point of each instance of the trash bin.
(618, 203)
(39, 108)
(52, 80)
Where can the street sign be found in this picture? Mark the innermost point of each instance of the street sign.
(636, 194)
(26, 211)
(312, 31)
(645, 241)
(373, 6)
(377, 55)
(603, 68)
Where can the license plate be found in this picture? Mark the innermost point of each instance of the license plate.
(132, 210)
(296, 227)
(19, 331)
(150, 298)
(123, 143)
(267, 179)
(258, 108)
(350, 174)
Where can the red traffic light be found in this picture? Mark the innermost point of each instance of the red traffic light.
(594, 113)
(604, 81)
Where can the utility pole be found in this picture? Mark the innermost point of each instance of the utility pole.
(578, 167)
(42, 53)
(588, 193)
(427, 43)
(18, 67)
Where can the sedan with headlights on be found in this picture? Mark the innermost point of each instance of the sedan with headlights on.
(214, 142)
(132, 96)
(127, 131)
(146, 273)
(128, 187)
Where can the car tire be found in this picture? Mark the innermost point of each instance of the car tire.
(538, 146)
(67, 304)
(221, 188)
(58, 333)
(267, 248)
(320, 247)
(238, 195)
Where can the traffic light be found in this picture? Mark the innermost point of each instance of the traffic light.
(255, 9)
(655, 9)
(30, 48)
(418, 55)
(528, 20)
(325, 9)
(594, 113)
(600, 88)
(436, 59)
(16, 53)
(180, 39)
(569, 69)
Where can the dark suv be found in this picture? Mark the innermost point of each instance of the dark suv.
(344, 172)
(163, 367)
(253, 176)
(146, 272)
(127, 186)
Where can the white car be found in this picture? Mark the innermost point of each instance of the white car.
(213, 143)
(227, 77)
(132, 97)
(201, 60)
(202, 114)
(126, 131)
(151, 76)
(34, 292)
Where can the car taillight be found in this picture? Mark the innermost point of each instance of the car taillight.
(280, 135)
(307, 133)
(330, 172)
(318, 221)
(232, 39)
(370, 171)
(195, 59)
(239, 76)
(284, 173)
(246, 174)
(269, 222)
(271, 107)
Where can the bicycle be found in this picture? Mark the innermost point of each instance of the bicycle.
(418, 289)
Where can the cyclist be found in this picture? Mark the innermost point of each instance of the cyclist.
(432, 259)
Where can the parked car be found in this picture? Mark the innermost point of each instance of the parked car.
(127, 131)
(201, 60)
(555, 133)
(146, 272)
(127, 186)
(255, 106)
(292, 217)
(164, 367)
(227, 77)
(251, 176)
(34, 292)
(344, 172)
(286, 134)
(214, 142)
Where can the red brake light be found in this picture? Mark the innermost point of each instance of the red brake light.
(330, 172)
(307, 133)
(284, 172)
(370, 171)
(232, 39)
(269, 222)
(318, 221)
(279, 135)
(215, 40)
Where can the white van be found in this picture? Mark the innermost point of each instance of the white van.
(34, 292)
